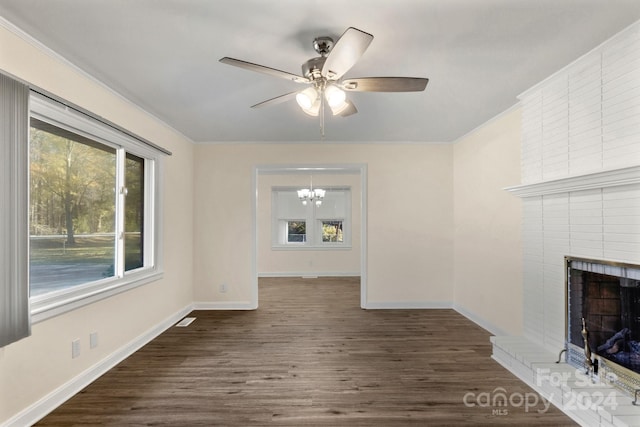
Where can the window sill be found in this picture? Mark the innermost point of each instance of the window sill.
(48, 306)
(311, 248)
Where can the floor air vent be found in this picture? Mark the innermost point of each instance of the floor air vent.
(185, 322)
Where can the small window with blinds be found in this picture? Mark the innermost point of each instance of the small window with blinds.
(311, 226)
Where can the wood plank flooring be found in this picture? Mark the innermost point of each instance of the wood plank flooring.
(309, 356)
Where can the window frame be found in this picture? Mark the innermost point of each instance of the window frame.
(57, 302)
(313, 223)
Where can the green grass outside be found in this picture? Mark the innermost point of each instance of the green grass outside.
(88, 249)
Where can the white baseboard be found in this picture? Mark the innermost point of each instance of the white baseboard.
(493, 329)
(57, 397)
(400, 305)
(224, 305)
(310, 274)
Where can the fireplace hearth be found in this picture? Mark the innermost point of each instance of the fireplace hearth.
(607, 296)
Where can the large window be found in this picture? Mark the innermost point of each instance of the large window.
(92, 208)
(298, 226)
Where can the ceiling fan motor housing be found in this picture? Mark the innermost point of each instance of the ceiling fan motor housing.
(323, 45)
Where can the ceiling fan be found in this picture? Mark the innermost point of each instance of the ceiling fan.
(324, 76)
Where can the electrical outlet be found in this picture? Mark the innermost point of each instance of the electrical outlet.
(223, 288)
(93, 340)
(75, 348)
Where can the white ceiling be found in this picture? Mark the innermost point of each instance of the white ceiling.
(163, 55)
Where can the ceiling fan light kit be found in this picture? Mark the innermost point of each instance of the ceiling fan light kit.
(310, 102)
(324, 75)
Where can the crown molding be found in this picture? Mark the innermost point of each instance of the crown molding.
(602, 179)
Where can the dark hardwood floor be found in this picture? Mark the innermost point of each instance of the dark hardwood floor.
(309, 356)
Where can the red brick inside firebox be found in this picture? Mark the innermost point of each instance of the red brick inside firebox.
(602, 306)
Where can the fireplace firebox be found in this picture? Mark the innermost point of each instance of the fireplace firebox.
(607, 296)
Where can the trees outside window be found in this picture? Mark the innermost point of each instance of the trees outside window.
(72, 209)
(296, 231)
(332, 231)
(134, 212)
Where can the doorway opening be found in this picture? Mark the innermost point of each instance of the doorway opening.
(265, 175)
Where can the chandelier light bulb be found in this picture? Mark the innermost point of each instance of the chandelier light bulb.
(303, 194)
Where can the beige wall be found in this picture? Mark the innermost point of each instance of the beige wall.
(325, 262)
(410, 217)
(488, 245)
(37, 365)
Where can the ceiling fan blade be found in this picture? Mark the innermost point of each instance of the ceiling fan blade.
(349, 110)
(385, 84)
(345, 53)
(277, 100)
(265, 70)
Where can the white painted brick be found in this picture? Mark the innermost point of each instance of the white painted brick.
(585, 119)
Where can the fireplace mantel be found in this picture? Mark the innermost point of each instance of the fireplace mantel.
(589, 181)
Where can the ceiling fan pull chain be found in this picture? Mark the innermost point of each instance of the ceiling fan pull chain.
(322, 116)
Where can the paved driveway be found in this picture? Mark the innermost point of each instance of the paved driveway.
(50, 277)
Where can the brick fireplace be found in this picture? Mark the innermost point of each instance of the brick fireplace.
(580, 194)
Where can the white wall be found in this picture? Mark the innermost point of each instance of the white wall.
(410, 218)
(487, 233)
(36, 366)
(581, 170)
(326, 262)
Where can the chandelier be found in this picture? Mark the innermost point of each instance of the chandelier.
(309, 195)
